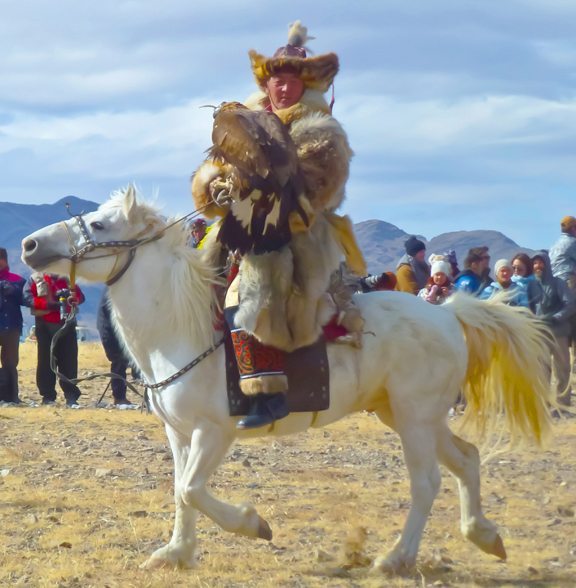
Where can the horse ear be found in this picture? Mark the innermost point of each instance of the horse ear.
(129, 204)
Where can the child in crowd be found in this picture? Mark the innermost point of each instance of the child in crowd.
(439, 286)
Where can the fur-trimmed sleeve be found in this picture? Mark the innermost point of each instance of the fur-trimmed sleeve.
(324, 155)
(201, 179)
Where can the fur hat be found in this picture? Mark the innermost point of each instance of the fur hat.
(439, 263)
(500, 264)
(567, 223)
(317, 73)
(412, 245)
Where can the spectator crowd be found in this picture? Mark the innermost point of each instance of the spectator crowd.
(51, 299)
(544, 284)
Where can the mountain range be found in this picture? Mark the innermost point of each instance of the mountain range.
(19, 220)
(381, 242)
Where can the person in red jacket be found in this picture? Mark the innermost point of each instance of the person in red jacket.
(51, 298)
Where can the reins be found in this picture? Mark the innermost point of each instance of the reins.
(79, 253)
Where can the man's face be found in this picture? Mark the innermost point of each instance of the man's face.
(484, 263)
(284, 90)
(198, 234)
(538, 267)
(420, 255)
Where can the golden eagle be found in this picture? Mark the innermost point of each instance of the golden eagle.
(263, 179)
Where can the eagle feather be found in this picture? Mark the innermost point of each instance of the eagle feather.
(266, 178)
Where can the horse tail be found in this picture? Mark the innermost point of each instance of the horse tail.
(509, 354)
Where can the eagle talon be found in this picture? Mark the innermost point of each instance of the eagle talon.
(221, 191)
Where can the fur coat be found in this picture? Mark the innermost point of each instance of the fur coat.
(281, 295)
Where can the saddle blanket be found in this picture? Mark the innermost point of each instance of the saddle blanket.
(308, 379)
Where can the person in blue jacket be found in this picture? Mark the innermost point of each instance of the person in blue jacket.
(476, 274)
(518, 294)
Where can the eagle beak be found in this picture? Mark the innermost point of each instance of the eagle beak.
(215, 108)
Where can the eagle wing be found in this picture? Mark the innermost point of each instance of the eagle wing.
(266, 178)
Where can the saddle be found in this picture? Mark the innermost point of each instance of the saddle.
(308, 379)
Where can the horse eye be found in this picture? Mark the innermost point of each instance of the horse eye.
(97, 226)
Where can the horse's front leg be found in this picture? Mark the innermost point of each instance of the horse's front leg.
(208, 448)
(180, 551)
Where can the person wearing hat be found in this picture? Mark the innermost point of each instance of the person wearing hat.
(198, 230)
(503, 271)
(439, 285)
(281, 308)
(476, 274)
(412, 271)
(555, 304)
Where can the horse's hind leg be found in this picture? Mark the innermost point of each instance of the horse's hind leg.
(419, 443)
(462, 459)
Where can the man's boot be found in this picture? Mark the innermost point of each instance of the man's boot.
(265, 409)
(262, 376)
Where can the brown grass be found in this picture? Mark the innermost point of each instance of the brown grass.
(62, 525)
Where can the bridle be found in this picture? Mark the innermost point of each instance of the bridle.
(90, 244)
(78, 253)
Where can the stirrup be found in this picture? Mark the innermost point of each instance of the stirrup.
(265, 409)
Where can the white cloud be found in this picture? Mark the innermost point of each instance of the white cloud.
(446, 102)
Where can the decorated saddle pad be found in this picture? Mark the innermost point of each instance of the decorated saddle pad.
(308, 379)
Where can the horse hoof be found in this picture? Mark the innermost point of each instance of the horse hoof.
(155, 563)
(264, 530)
(498, 548)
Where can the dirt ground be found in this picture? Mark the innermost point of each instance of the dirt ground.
(86, 496)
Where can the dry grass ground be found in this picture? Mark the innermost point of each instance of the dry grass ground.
(86, 495)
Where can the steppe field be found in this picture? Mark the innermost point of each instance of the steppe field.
(86, 495)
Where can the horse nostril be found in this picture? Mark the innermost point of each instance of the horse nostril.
(30, 245)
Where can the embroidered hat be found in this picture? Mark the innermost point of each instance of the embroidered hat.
(317, 72)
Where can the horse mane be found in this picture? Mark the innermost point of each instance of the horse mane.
(188, 307)
(192, 304)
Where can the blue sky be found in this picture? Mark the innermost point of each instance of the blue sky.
(462, 114)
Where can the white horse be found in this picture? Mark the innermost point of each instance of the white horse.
(413, 363)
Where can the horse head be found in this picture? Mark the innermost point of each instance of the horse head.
(96, 241)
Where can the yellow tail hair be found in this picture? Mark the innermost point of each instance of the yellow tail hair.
(509, 353)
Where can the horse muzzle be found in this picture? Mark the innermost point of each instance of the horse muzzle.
(37, 255)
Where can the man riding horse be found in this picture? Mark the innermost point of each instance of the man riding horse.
(277, 302)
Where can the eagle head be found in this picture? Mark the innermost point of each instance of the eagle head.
(228, 106)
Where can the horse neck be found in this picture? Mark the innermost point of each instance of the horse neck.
(165, 301)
